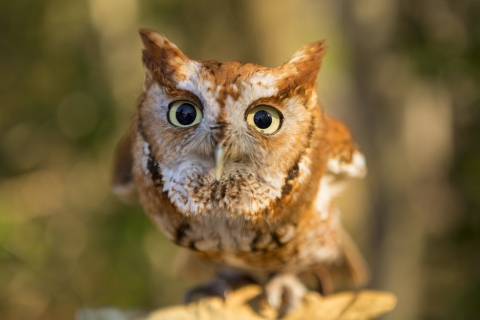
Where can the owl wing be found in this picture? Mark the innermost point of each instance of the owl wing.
(123, 184)
(345, 160)
(344, 157)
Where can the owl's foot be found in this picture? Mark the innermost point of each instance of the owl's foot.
(216, 287)
(220, 285)
(284, 293)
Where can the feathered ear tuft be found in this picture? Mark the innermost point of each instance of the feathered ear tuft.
(306, 61)
(159, 45)
(163, 58)
(313, 51)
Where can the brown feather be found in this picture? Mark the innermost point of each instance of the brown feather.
(123, 184)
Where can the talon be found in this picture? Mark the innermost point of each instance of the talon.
(284, 293)
(217, 287)
(236, 278)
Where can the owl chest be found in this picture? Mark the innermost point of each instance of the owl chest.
(244, 244)
(215, 220)
(218, 232)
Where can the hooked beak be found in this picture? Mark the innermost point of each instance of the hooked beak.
(219, 157)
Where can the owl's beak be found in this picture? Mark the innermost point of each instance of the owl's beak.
(219, 156)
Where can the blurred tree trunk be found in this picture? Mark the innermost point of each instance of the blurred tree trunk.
(411, 67)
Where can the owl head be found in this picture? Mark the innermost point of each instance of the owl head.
(232, 137)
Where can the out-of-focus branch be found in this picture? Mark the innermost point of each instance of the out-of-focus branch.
(248, 303)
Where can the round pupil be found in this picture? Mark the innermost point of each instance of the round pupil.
(262, 119)
(186, 114)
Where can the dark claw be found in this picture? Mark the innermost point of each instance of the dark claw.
(217, 287)
(236, 279)
(220, 285)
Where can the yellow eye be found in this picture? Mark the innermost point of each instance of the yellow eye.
(265, 119)
(184, 114)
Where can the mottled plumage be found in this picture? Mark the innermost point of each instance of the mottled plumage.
(226, 189)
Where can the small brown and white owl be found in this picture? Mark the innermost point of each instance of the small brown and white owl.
(236, 162)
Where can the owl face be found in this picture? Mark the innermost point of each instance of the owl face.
(226, 136)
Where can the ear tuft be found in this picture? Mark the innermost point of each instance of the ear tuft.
(163, 58)
(312, 51)
(306, 61)
(153, 40)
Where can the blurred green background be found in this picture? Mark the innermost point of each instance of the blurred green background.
(404, 75)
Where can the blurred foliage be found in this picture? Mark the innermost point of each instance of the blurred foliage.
(403, 75)
(65, 240)
(449, 52)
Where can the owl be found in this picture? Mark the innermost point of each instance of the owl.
(239, 164)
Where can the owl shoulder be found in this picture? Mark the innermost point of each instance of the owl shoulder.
(344, 156)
